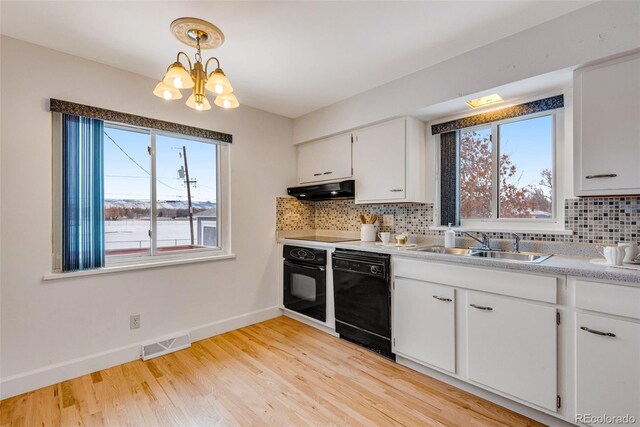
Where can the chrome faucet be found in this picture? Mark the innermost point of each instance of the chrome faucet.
(484, 242)
(516, 242)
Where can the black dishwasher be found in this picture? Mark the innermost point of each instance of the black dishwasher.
(362, 295)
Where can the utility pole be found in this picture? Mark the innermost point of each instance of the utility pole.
(188, 182)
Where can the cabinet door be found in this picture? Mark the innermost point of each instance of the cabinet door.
(379, 162)
(325, 160)
(607, 367)
(608, 128)
(512, 347)
(424, 322)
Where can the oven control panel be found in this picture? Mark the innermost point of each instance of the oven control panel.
(305, 255)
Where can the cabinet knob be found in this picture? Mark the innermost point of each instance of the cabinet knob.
(442, 298)
(396, 190)
(317, 174)
(602, 175)
(593, 331)
(481, 307)
(328, 173)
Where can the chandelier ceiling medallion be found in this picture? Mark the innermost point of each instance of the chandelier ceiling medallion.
(198, 34)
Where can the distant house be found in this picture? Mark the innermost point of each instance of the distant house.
(207, 229)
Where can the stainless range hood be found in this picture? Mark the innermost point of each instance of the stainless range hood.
(331, 191)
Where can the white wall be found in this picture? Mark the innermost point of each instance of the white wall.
(46, 324)
(588, 34)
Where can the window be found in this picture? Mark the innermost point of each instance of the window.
(130, 195)
(160, 193)
(506, 170)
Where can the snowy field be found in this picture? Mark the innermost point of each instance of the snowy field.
(130, 234)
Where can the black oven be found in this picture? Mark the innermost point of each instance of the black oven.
(305, 281)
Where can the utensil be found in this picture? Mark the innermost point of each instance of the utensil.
(373, 218)
(363, 220)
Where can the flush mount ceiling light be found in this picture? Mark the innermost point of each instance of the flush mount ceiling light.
(484, 101)
(198, 34)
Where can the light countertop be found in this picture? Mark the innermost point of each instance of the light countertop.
(557, 265)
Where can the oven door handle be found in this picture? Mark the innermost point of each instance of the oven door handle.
(307, 267)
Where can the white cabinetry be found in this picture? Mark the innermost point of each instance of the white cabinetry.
(512, 347)
(389, 162)
(607, 353)
(607, 128)
(327, 159)
(424, 322)
(607, 366)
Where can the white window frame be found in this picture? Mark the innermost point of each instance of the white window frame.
(554, 225)
(154, 258)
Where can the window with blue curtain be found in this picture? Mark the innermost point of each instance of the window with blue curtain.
(82, 237)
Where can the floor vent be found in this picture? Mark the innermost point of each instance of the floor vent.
(170, 345)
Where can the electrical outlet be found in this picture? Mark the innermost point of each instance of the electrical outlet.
(387, 220)
(134, 321)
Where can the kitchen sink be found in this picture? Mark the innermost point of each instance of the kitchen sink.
(524, 257)
(448, 251)
(527, 257)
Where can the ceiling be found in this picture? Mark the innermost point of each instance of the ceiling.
(288, 58)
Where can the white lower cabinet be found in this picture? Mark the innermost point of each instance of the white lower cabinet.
(424, 322)
(607, 367)
(512, 347)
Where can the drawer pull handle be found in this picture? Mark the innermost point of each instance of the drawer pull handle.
(328, 173)
(602, 175)
(396, 190)
(317, 174)
(442, 298)
(481, 307)
(592, 331)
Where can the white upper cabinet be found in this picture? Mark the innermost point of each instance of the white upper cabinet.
(389, 162)
(512, 347)
(607, 128)
(327, 159)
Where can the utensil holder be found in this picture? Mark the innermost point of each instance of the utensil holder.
(368, 232)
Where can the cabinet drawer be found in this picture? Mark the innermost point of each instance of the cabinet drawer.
(528, 286)
(619, 300)
(607, 366)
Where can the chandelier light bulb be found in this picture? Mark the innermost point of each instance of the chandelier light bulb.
(226, 100)
(178, 77)
(218, 83)
(164, 91)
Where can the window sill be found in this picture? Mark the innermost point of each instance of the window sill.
(139, 265)
(506, 229)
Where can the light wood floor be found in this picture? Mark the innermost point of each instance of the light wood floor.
(278, 373)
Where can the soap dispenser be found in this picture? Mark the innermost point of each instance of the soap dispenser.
(450, 238)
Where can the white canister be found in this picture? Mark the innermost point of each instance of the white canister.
(368, 232)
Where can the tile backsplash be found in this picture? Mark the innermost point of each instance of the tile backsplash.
(603, 220)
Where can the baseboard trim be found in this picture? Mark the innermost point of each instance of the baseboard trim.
(52, 374)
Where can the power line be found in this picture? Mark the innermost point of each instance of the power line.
(136, 163)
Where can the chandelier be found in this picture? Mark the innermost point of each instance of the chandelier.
(198, 34)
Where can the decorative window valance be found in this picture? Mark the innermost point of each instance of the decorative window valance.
(506, 113)
(59, 106)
